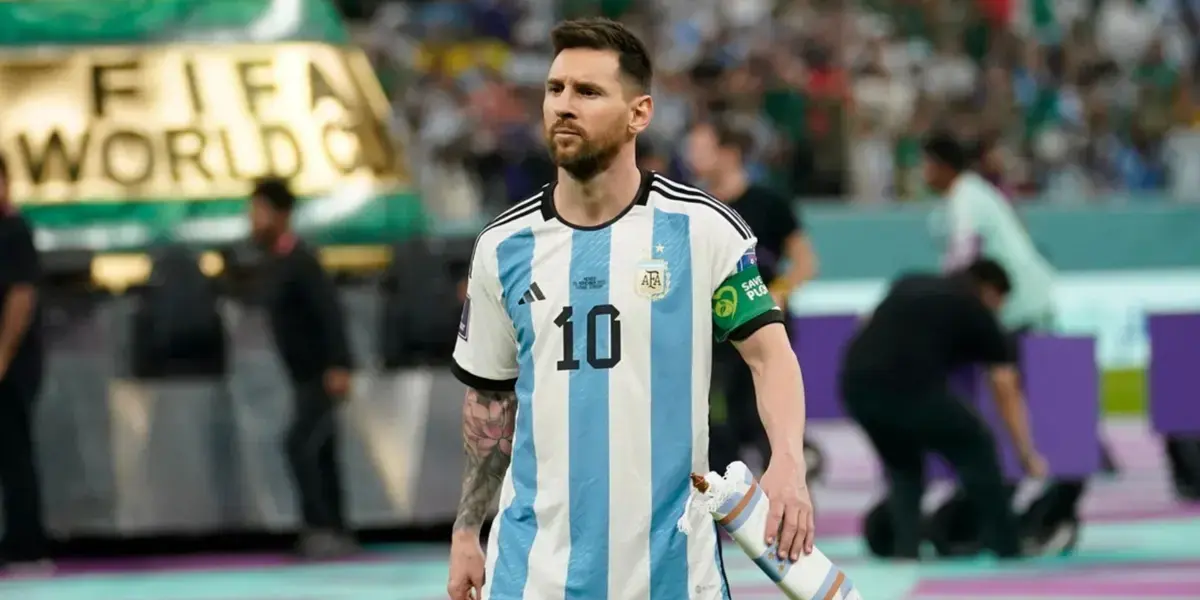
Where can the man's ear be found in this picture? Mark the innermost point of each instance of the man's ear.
(641, 112)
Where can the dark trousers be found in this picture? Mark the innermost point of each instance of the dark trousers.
(312, 455)
(742, 426)
(904, 429)
(20, 489)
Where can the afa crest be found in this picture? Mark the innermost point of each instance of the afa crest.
(653, 279)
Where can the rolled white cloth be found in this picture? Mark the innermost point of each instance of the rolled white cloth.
(739, 506)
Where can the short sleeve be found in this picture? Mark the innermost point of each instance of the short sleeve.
(741, 303)
(21, 258)
(485, 356)
(784, 219)
(988, 343)
(963, 238)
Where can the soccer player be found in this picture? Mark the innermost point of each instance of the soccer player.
(983, 223)
(585, 346)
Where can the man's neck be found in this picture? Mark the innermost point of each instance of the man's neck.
(600, 199)
(730, 186)
(284, 243)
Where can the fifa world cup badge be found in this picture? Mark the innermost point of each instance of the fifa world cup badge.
(653, 280)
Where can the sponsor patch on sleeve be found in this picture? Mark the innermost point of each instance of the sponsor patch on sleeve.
(749, 259)
(464, 323)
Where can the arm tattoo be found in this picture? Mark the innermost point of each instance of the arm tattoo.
(488, 421)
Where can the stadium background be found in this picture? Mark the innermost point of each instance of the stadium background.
(406, 124)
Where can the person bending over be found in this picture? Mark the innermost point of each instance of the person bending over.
(894, 383)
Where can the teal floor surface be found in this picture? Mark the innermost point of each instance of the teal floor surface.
(1135, 561)
(1138, 543)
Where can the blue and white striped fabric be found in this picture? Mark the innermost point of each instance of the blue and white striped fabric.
(607, 332)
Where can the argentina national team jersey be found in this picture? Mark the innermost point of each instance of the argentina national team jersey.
(606, 334)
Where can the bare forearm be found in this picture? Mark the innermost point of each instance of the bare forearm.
(1010, 403)
(18, 313)
(779, 389)
(802, 263)
(488, 422)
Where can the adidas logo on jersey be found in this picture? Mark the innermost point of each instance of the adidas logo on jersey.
(533, 293)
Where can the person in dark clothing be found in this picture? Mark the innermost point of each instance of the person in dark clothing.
(24, 544)
(894, 384)
(309, 331)
(716, 155)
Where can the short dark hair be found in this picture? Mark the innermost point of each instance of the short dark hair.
(275, 192)
(985, 271)
(604, 34)
(946, 149)
(730, 136)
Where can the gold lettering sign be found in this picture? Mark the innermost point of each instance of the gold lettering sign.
(191, 122)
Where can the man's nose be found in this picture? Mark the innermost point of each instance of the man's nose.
(564, 112)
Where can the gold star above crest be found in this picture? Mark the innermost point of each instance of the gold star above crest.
(660, 248)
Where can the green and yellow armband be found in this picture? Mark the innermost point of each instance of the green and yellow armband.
(740, 299)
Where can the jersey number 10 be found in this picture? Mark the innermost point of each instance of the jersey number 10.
(564, 322)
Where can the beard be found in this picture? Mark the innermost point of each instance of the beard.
(585, 158)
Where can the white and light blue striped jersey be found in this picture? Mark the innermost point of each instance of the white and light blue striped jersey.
(983, 223)
(606, 333)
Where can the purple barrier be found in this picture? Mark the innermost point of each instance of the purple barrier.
(819, 343)
(1174, 373)
(1062, 389)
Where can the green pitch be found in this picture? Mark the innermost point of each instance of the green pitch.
(1123, 392)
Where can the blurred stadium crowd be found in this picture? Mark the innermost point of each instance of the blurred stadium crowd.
(1068, 100)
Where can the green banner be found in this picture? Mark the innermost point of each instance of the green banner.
(364, 219)
(72, 22)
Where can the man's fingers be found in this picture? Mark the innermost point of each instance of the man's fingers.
(456, 590)
(787, 535)
(810, 535)
(798, 548)
(774, 521)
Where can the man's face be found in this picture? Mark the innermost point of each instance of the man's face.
(588, 113)
(703, 152)
(992, 298)
(264, 222)
(937, 175)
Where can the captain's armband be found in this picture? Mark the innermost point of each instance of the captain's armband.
(741, 304)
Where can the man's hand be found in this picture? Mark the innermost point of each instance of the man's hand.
(781, 291)
(337, 383)
(1034, 464)
(790, 521)
(781, 299)
(466, 566)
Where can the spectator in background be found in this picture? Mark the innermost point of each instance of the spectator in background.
(838, 95)
(983, 223)
(716, 155)
(24, 545)
(309, 331)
